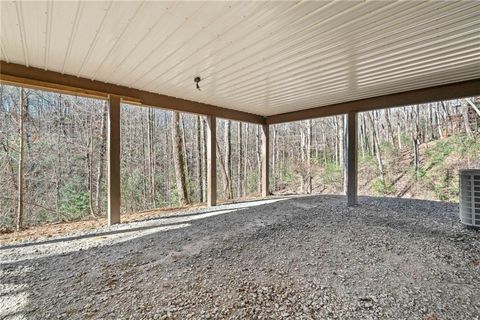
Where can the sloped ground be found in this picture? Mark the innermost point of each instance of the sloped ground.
(440, 161)
(301, 257)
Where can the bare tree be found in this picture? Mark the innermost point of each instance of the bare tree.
(151, 154)
(377, 150)
(101, 160)
(204, 158)
(240, 161)
(415, 139)
(179, 161)
(309, 156)
(199, 157)
(21, 119)
(89, 159)
(228, 161)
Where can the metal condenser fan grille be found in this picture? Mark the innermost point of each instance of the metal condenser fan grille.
(470, 197)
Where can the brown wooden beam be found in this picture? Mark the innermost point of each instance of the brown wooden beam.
(114, 198)
(211, 161)
(48, 80)
(351, 161)
(265, 160)
(438, 93)
(54, 81)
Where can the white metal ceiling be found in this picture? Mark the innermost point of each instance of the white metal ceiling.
(260, 57)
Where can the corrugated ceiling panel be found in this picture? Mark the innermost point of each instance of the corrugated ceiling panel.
(90, 25)
(149, 53)
(10, 34)
(143, 46)
(118, 20)
(35, 30)
(274, 61)
(208, 60)
(191, 35)
(260, 57)
(298, 51)
(64, 20)
(144, 21)
(223, 18)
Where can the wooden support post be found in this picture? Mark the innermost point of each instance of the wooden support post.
(265, 160)
(211, 161)
(114, 160)
(351, 163)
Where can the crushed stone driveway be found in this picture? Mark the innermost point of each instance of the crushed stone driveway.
(281, 258)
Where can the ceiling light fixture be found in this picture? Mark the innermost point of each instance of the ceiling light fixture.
(197, 80)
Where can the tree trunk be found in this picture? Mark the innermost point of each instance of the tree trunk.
(274, 158)
(185, 154)
(446, 116)
(324, 137)
(240, 161)
(151, 155)
(345, 153)
(59, 166)
(179, 161)
(466, 120)
(259, 161)
(303, 158)
(399, 131)
(204, 158)
(473, 105)
(377, 152)
(228, 161)
(390, 134)
(430, 122)
(415, 139)
(20, 162)
(337, 134)
(10, 165)
(245, 163)
(199, 158)
(309, 156)
(222, 163)
(101, 159)
(362, 139)
(90, 167)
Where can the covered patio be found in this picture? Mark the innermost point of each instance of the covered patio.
(258, 62)
(264, 63)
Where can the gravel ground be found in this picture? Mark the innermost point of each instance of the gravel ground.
(295, 258)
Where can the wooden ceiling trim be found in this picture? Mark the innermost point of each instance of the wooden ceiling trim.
(16, 74)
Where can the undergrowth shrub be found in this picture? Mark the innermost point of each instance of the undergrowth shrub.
(383, 187)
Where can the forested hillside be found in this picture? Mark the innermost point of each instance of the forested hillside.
(58, 144)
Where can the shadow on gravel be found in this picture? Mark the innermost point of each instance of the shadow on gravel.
(86, 236)
(124, 228)
(93, 234)
(374, 203)
(52, 286)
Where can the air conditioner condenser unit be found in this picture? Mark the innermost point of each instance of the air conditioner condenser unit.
(470, 197)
